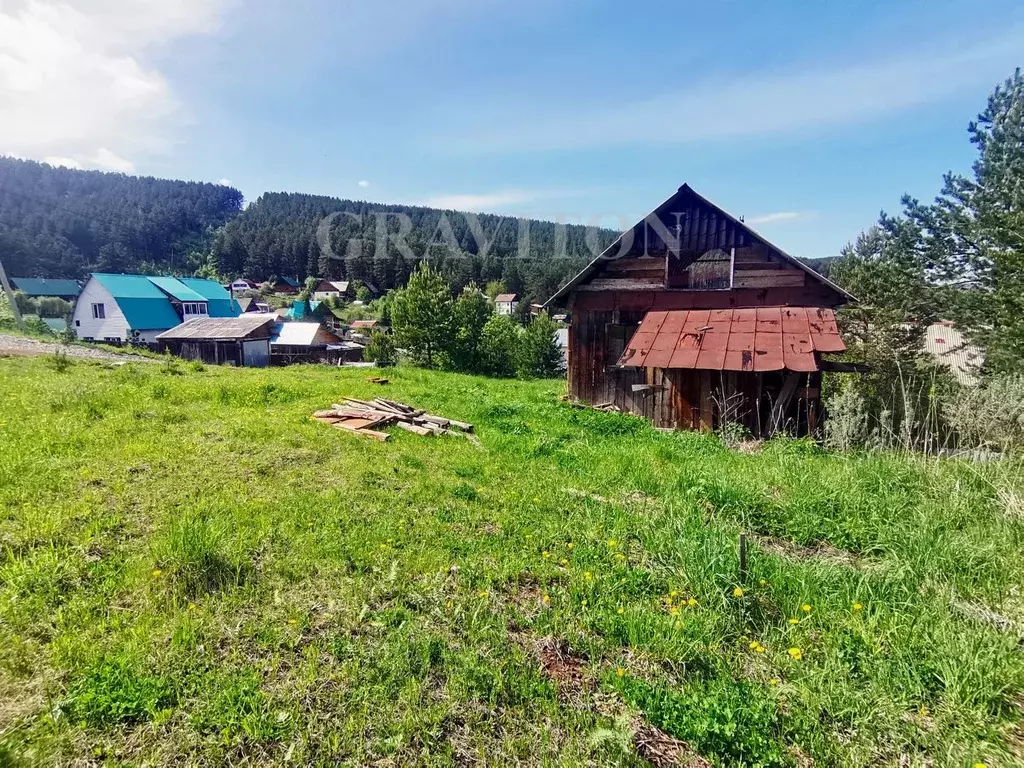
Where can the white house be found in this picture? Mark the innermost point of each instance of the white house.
(241, 285)
(326, 289)
(506, 303)
(121, 308)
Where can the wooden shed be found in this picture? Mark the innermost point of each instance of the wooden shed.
(241, 340)
(693, 320)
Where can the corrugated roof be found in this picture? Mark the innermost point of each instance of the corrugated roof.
(505, 297)
(761, 339)
(144, 306)
(295, 334)
(364, 324)
(177, 289)
(219, 328)
(32, 286)
(950, 347)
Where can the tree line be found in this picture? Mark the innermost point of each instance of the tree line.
(59, 222)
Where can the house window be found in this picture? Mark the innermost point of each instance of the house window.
(99, 312)
(193, 308)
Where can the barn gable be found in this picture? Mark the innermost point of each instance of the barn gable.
(689, 244)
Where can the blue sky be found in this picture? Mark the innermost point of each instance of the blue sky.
(807, 118)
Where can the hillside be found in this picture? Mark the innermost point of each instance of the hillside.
(192, 572)
(380, 244)
(58, 222)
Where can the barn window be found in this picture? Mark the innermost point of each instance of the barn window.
(99, 312)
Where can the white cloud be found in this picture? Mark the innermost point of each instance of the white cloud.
(225, 182)
(74, 84)
(364, 183)
(761, 103)
(772, 218)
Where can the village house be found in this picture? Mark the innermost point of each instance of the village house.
(36, 288)
(286, 285)
(136, 308)
(694, 321)
(301, 342)
(328, 289)
(506, 303)
(241, 285)
(243, 340)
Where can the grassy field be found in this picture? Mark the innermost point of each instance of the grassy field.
(193, 572)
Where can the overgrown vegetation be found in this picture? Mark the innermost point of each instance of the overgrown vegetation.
(194, 572)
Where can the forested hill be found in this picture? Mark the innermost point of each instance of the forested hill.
(58, 222)
(380, 244)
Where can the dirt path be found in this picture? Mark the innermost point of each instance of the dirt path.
(19, 345)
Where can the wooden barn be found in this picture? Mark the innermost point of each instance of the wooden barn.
(694, 321)
(241, 340)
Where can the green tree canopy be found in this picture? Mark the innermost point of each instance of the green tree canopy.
(421, 315)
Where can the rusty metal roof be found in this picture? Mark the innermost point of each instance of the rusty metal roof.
(756, 339)
(220, 328)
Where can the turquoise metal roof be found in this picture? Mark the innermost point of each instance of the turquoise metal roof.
(144, 306)
(32, 286)
(219, 301)
(174, 287)
(298, 310)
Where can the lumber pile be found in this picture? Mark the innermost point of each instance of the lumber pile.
(368, 417)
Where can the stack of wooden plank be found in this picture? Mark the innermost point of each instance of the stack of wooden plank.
(365, 417)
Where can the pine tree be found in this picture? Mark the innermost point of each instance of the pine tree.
(540, 355)
(471, 313)
(973, 234)
(421, 315)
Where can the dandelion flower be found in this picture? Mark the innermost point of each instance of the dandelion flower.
(570, 545)
(546, 600)
(292, 622)
(620, 672)
(482, 593)
(692, 603)
(191, 606)
(763, 583)
(773, 681)
(612, 542)
(673, 593)
(563, 561)
(584, 603)
(979, 765)
(794, 620)
(756, 647)
(737, 592)
(806, 607)
(857, 607)
(546, 554)
(157, 573)
(619, 556)
(621, 611)
(588, 575)
(673, 611)
(796, 654)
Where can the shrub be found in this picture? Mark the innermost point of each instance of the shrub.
(991, 415)
(540, 355)
(381, 350)
(499, 346)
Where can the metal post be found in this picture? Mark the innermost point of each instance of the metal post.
(10, 297)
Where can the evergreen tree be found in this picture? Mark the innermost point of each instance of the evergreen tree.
(421, 315)
(471, 313)
(540, 355)
(499, 346)
(973, 234)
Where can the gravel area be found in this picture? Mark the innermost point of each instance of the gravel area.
(19, 345)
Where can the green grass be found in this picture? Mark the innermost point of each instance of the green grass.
(193, 572)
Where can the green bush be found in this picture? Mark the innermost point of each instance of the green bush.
(381, 350)
(499, 346)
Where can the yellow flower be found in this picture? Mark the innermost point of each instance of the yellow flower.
(570, 545)
(621, 611)
(794, 620)
(546, 600)
(449, 604)
(620, 672)
(737, 592)
(588, 575)
(546, 554)
(529, 536)
(482, 593)
(806, 607)
(584, 603)
(191, 606)
(773, 681)
(612, 542)
(979, 765)
(619, 556)
(673, 593)
(796, 654)
(673, 611)
(293, 622)
(563, 561)
(763, 583)
(692, 603)
(156, 573)
(857, 607)
(756, 647)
